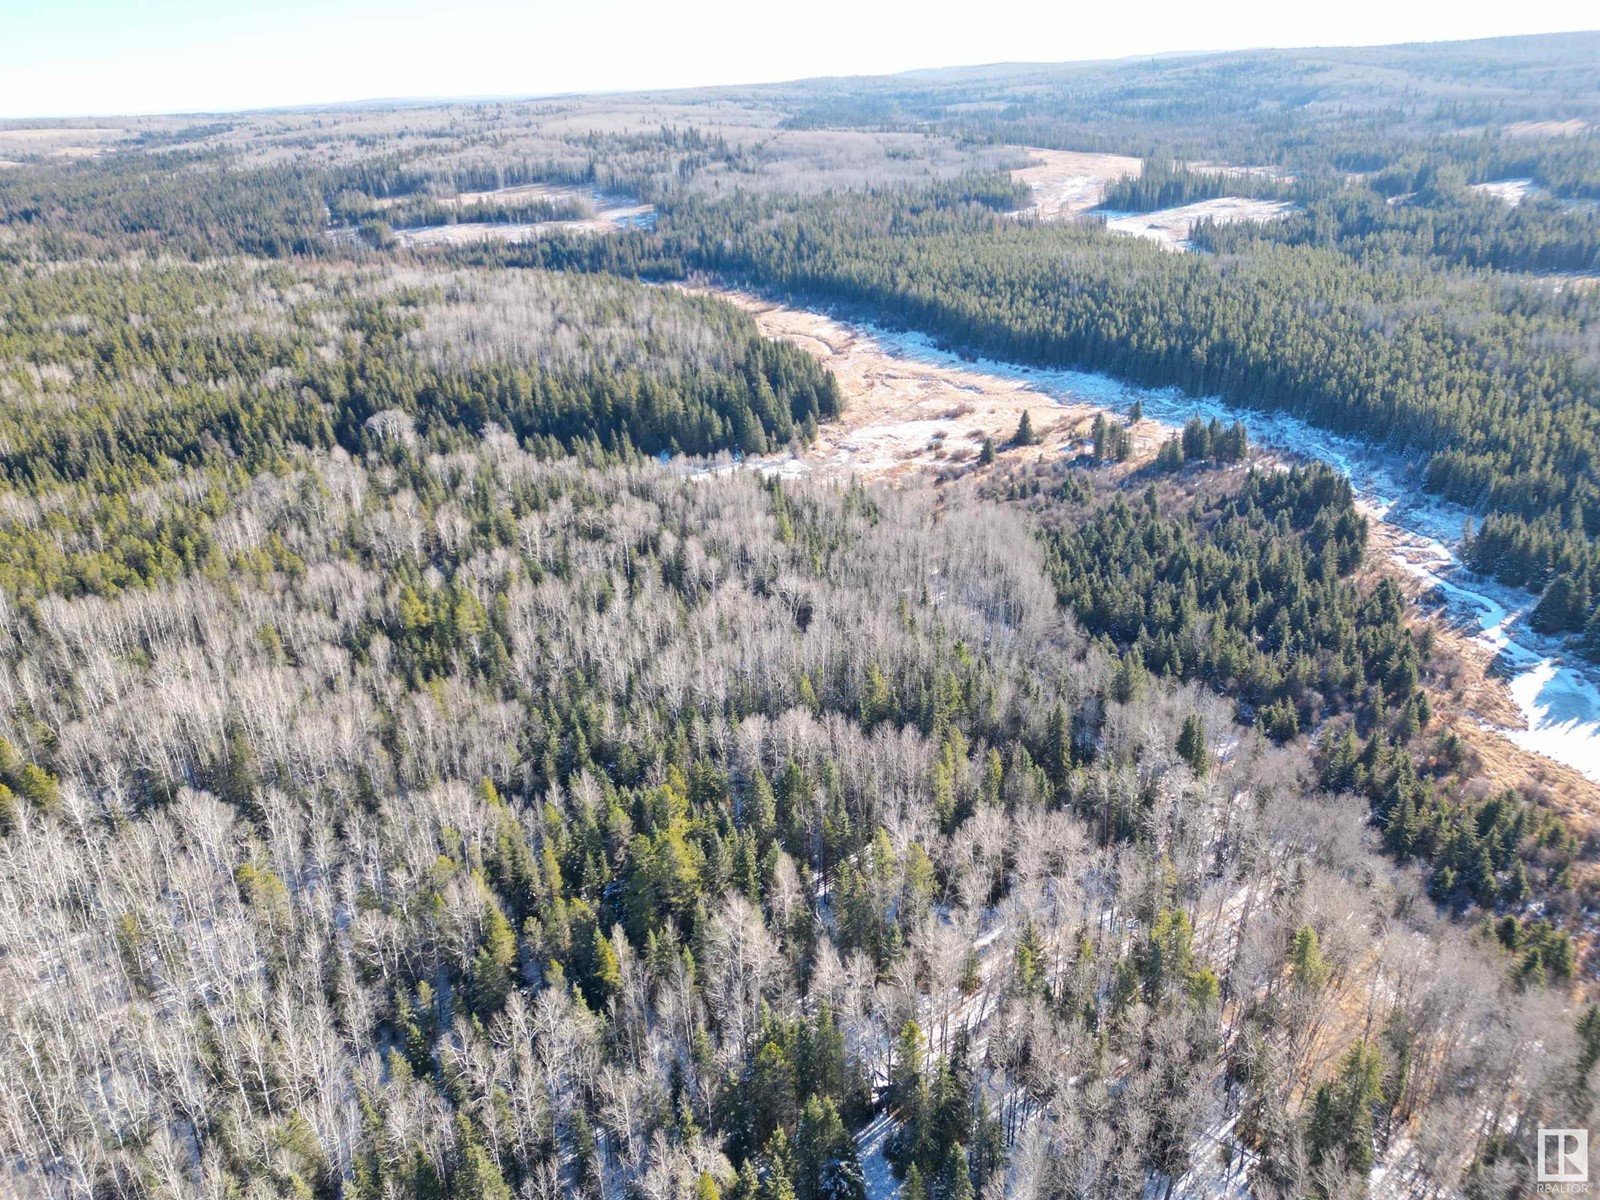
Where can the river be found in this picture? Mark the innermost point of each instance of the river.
(1558, 693)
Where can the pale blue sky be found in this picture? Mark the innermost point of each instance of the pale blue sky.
(72, 57)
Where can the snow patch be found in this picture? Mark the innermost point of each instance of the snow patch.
(1512, 191)
(875, 1173)
(1170, 227)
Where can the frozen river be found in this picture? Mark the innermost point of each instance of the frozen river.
(1558, 693)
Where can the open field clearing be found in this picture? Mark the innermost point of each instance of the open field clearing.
(1576, 127)
(903, 417)
(59, 142)
(610, 214)
(1067, 183)
(1512, 191)
(1170, 227)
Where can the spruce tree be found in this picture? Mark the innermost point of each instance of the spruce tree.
(1025, 435)
(1192, 745)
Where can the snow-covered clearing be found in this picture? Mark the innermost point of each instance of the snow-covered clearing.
(1512, 191)
(60, 141)
(1068, 183)
(607, 213)
(1576, 127)
(1170, 227)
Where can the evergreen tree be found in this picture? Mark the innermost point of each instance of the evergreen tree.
(1192, 746)
(1025, 435)
(477, 1177)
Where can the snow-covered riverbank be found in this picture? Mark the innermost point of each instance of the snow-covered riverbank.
(1557, 693)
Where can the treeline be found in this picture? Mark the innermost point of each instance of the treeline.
(1456, 225)
(1542, 557)
(205, 204)
(1498, 851)
(1260, 608)
(397, 175)
(1164, 183)
(1568, 167)
(418, 211)
(1203, 441)
(772, 395)
(1409, 109)
(197, 205)
(414, 214)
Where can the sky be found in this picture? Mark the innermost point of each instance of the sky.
(104, 57)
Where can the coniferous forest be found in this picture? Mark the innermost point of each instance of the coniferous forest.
(459, 740)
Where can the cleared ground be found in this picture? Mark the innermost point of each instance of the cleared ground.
(1067, 183)
(58, 142)
(1576, 127)
(1512, 191)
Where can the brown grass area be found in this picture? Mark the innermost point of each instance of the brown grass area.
(59, 141)
(1462, 679)
(904, 418)
(1067, 183)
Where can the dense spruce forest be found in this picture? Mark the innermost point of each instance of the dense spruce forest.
(1252, 589)
(1163, 183)
(457, 741)
(1448, 221)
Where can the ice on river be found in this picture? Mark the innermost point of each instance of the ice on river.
(1557, 693)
